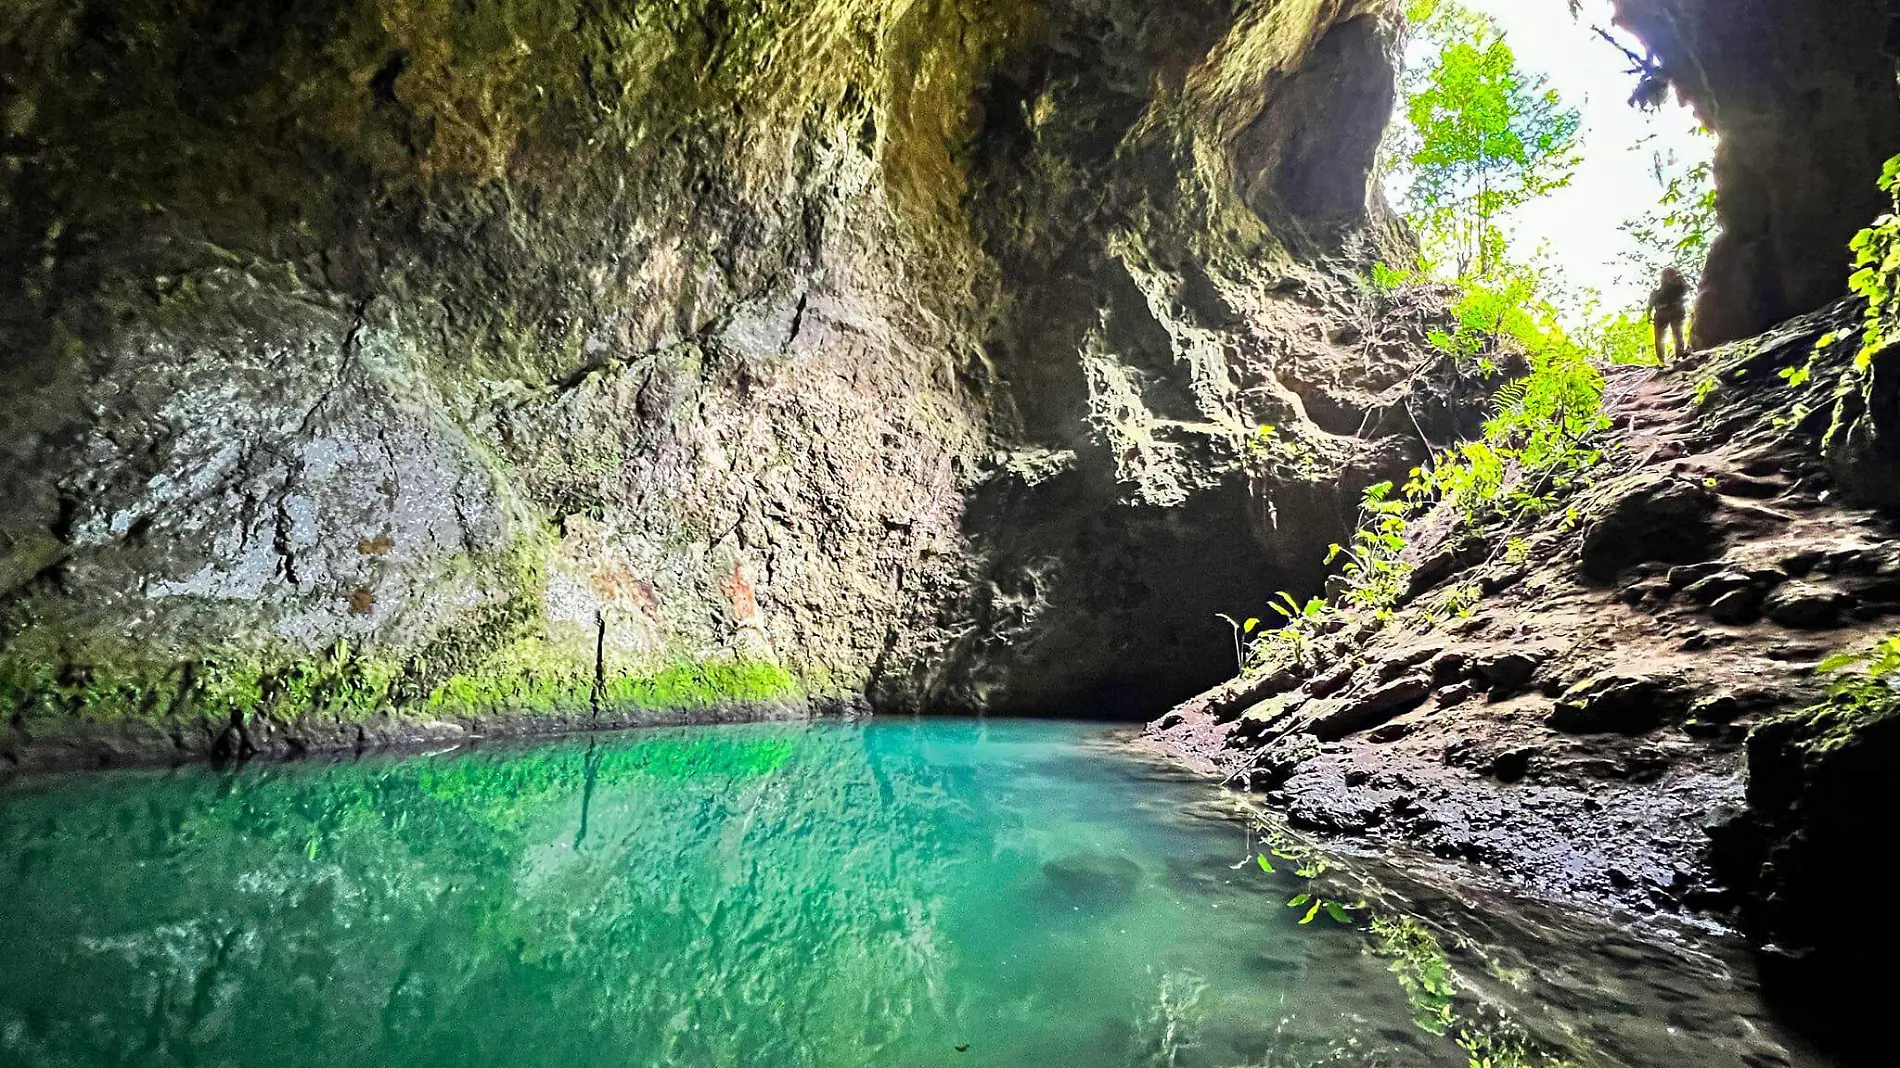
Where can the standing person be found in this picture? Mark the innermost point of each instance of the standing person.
(1667, 309)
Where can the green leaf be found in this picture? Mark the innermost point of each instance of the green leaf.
(1338, 912)
(1310, 913)
(1297, 900)
(1265, 865)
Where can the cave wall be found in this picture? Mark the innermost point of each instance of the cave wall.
(545, 353)
(1802, 94)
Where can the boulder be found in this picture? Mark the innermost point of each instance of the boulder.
(1509, 672)
(1616, 703)
(1647, 517)
(1805, 606)
(1737, 606)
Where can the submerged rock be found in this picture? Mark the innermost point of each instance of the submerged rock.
(1093, 879)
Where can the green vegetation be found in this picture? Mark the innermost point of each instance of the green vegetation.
(348, 685)
(1419, 962)
(1877, 261)
(1679, 230)
(1480, 138)
(1308, 864)
(1864, 689)
(1418, 959)
(1477, 138)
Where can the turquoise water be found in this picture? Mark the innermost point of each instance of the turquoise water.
(899, 893)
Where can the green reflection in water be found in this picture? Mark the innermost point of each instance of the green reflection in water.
(937, 893)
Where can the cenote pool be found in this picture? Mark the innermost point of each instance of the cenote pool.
(893, 893)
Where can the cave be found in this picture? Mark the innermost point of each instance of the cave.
(385, 374)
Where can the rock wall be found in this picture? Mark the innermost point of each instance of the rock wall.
(551, 355)
(1802, 95)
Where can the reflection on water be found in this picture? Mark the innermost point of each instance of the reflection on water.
(904, 894)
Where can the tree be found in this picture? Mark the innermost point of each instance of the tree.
(1479, 137)
(1678, 231)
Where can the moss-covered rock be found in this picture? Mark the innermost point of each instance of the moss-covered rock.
(514, 347)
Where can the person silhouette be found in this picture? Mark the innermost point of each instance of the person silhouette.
(1667, 309)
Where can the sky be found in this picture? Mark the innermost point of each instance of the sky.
(1577, 226)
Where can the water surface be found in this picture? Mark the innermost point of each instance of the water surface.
(899, 893)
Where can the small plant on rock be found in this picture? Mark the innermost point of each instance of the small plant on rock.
(1877, 266)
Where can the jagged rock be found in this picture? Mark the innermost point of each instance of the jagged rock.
(1449, 666)
(1822, 791)
(1330, 682)
(1507, 673)
(801, 382)
(1354, 714)
(1406, 661)
(1719, 585)
(1738, 606)
(1512, 764)
(1277, 762)
(1689, 574)
(1643, 517)
(1458, 693)
(1805, 606)
(1259, 720)
(1863, 448)
(1232, 698)
(1653, 592)
(1613, 703)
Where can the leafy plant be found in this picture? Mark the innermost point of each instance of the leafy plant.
(1240, 628)
(1289, 644)
(1309, 864)
(1419, 961)
(1479, 138)
(1871, 677)
(1877, 261)
(1376, 574)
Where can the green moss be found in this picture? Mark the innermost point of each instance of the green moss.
(1822, 730)
(696, 685)
(526, 679)
(531, 679)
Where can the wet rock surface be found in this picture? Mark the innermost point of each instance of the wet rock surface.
(1612, 723)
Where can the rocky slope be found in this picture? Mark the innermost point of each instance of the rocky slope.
(593, 360)
(1619, 703)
